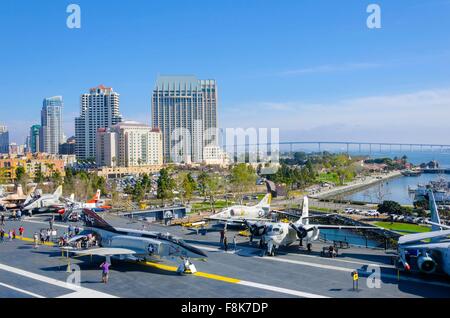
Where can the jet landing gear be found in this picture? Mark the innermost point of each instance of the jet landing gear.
(270, 249)
(186, 268)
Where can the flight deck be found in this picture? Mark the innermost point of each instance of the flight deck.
(27, 272)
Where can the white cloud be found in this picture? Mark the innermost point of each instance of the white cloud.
(420, 116)
(328, 68)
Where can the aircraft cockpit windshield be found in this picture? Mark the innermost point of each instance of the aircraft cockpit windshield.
(169, 237)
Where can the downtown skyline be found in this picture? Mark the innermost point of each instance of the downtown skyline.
(377, 85)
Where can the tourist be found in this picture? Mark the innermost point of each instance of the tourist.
(105, 271)
(225, 243)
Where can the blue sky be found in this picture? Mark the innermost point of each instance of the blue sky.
(309, 67)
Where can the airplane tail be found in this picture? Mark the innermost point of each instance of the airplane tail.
(435, 218)
(29, 196)
(20, 191)
(92, 219)
(305, 211)
(96, 197)
(265, 202)
(58, 192)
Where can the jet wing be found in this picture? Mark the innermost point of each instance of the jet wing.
(415, 238)
(428, 246)
(236, 220)
(298, 216)
(102, 251)
(345, 227)
(440, 225)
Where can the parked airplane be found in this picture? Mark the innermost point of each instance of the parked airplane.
(237, 214)
(134, 244)
(276, 234)
(95, 203)
(15, 200)
(40, 201)
(431, 249)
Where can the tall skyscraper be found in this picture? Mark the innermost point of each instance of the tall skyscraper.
(33, 141)
(51, 134)
(185, 110)
(99, 109)
(4, 139)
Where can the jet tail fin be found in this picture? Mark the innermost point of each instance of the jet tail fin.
(58, 192)
(96, 197)
(305, 211)
(20, 191)
(265, 202)
(435, 218)
(92, 219)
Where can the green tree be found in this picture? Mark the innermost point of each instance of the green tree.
(243, 178)
(38, 175)
(165, 186)
(391, 207)
(202, 184)
(189, 186)
(20, 173)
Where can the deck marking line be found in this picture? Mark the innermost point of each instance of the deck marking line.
(281, 290)
(55, 282)
(21, 290)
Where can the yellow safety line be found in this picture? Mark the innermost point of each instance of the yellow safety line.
(159, 266)
(198, 274)
(26, 239)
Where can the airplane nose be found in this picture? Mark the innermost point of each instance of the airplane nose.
(195, 250)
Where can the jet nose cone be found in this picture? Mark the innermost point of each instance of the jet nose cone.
(195, 250)
(200, 252)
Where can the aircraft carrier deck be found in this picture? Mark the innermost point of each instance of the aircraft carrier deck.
(27, 272)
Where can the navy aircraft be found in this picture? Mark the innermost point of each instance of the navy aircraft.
(236, 214)
(432, 249)
(133, 244)
(42, 201)
(276, 234)
(15, 200)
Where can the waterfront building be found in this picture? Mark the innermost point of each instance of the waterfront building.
(51, 131)
(98, 109)
(185, 110)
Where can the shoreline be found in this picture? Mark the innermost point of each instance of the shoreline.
(355, 186)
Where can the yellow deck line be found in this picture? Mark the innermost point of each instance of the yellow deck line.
(27, 239)
(198, 274)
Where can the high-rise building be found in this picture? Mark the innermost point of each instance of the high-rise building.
(185, 109)
(129, 144)
(51, 133)
(4, 140)
(99, 109)
(33, 140)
